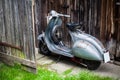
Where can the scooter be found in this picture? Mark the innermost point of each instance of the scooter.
(85, 49)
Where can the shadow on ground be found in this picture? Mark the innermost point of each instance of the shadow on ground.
(61, 64)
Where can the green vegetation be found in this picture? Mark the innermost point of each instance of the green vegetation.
(16, 73)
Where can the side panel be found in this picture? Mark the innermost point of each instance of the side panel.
(85, 50)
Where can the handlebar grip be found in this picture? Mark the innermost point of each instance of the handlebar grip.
(67, 15)
(54, 13)
(64, 15)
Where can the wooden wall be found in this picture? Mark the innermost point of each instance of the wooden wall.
(86, 11)
(110, 26)
(16, 29)
(97, 16)
(117, 27)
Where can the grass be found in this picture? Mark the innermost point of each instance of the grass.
(16, 73)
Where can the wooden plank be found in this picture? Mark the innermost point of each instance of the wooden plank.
(85, 16)
(91, 18)
(98, 18)
(7, 24)
(1, 20)
(95, 8)
(17, 26)
(29, 35)
(26, 33)
(118, 32)
(12, 33)
(117, 63)
(7, 21)
(21, 19)
(30, 32)
(37, 22)
(44, 14)
(3, 37)
(9, 59)
(108, 19)
(10, 45)
(33, 31)
(103, 21)
(117, 19)
(118, 50)
(25, 30)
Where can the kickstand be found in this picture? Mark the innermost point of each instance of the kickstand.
(58, 59)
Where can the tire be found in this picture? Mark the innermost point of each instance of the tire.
(43, 48)
(56, 34)
(92, 65)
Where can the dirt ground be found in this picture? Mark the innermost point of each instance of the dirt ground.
(61, 64)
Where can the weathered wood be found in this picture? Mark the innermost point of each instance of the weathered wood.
(118, 19)
(111, 30)
(117, 63)
(9, 59)
(103, 21)
(117, 13)
(16, 28)
(37, 20)
(9, 45)
(32, 32)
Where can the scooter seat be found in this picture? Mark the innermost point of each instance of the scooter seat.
(73, 26)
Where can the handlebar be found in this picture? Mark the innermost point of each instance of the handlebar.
(54, 13)
(64, 15)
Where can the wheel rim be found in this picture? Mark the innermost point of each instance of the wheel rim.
(56, 34)
(44, 49)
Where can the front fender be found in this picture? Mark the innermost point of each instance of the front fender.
(41, 37)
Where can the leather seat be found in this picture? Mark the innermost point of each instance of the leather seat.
(73, 26)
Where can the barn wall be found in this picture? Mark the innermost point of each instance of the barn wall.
(97, 17)
(117, 27)
(110, 27)
(86, 11)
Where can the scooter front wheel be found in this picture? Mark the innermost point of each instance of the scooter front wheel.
(92, 65)
(43, 48)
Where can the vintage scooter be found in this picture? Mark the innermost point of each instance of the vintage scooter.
(86, 49)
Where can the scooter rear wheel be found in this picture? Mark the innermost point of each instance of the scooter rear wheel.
(92, 65)
(43, 48)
